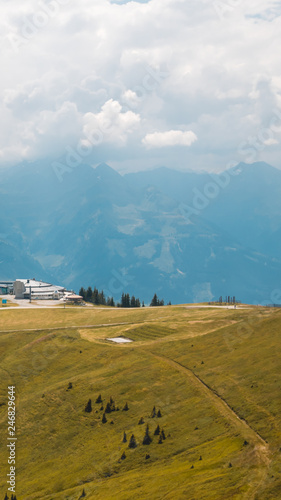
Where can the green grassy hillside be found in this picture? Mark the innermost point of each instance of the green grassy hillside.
(213, 373)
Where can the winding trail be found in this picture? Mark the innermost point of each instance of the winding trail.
(261, 449)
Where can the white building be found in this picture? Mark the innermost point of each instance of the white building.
(36, 290)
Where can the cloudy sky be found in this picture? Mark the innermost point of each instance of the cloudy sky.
(190, 84)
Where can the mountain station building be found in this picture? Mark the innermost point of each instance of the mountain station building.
(36, 290)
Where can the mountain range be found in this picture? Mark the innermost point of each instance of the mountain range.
(186, 236)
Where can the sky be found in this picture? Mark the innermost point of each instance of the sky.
(191, 85)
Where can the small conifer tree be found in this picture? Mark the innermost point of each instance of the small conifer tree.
(126, 407)
(99, 399)
(124, 437)
(159, 414)
(163, 435)
(123, 456)
(141, 421)
(132, 443)
(6, 497)
(88, 407)
(153, 413)
(147, 439)
(104, 419)
(157, 431)
(108, 408)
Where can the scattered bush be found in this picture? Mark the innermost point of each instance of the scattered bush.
(147, 439)
(163, 435)
(157, 431)
(153, 413)
(69, 386)
(123, 456)
(132, 443)
(108, 408)
(88, 407)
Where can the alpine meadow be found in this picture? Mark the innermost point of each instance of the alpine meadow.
(140, 250)
(208, 378)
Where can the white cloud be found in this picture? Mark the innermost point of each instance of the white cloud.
(110, 124)
(169, 138)
(162, 65)
(270, 142)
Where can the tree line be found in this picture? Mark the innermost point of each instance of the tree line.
(98, 298)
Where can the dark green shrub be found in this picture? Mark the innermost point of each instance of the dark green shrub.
(88, 407)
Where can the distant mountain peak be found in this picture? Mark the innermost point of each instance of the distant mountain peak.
(106, 171)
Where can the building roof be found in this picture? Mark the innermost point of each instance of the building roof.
(40, 287)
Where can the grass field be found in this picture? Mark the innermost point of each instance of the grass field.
(214, 374)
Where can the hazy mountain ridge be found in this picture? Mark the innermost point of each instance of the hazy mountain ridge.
(135, 233)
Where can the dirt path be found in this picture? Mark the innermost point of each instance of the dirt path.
(261, 449)
(70, 327)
